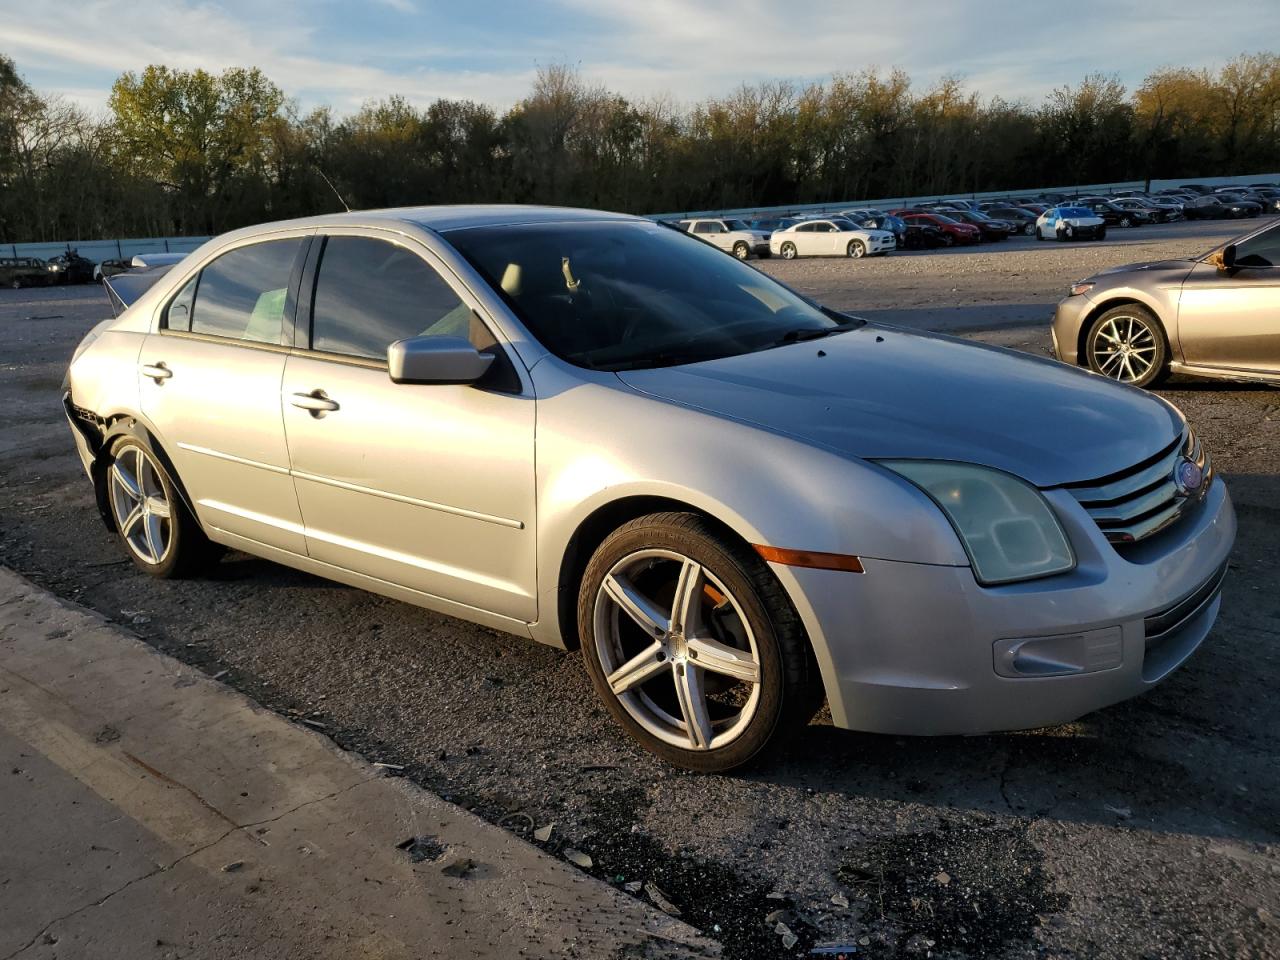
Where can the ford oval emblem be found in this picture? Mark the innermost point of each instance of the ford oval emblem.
(1187, 477)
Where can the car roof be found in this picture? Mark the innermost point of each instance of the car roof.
(447, 217)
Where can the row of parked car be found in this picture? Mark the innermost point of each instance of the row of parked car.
(69, 267)
(868, 231)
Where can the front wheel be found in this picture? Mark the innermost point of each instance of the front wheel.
(948, 240)
(1126, 221)
(741, 250)
(692, 644)
(1029, 229)
(857, 249)
(788, 251)
(1127, 344)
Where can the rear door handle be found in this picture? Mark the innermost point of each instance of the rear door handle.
(156, 371)
(315, 401)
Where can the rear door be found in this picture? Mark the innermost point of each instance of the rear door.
(209, 381)
(1232, 320)
(426, 486)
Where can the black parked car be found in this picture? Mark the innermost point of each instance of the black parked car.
(1023, 221)
(990, 228)
(923, 236)
(70, 267)
(1205, 208)
(1113, 215)
(1238, 206)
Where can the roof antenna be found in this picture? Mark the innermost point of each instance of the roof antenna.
(333, 188)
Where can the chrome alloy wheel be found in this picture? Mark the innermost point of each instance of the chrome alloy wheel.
(141, 508)
(1124, 348)
(676, 649)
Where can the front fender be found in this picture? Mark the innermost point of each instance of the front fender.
(600, 442)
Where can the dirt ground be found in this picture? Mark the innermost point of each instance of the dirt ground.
(1150, 829)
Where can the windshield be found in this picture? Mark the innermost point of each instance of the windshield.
(622, 295)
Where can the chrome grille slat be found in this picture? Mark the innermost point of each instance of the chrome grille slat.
(1133, 504)
(1125, 511)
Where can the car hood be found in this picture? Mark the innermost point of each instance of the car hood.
(882, 392)
(1174, 268)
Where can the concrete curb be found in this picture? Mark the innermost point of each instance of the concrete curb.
(159, 813)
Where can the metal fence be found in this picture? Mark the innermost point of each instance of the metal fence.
(885, 203)
(99, 250)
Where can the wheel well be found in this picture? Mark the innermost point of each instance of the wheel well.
(591, 533)
(1083, 336)
(123, 425)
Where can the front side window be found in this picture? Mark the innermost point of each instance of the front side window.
(1262, 250)
(241, 295)
(616, 295)
(370, 293)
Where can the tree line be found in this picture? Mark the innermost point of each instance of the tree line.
(190, 152)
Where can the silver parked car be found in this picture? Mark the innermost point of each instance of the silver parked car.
(1213, 316)
(597, 432)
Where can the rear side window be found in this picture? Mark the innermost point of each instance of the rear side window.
(370, 293)
(241, 295)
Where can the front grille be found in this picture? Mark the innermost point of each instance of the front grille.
(1136, 503)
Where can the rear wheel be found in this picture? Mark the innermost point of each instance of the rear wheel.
(741, 250)
(857, 249)
(692, 644)
(1029, 229)
(159, 533)
(788, 251)
(948, 240)
(1127, 344)
(1126, 221)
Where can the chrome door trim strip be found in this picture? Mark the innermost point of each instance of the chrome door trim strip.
(219, 455)
(253, 515)
(412, 501)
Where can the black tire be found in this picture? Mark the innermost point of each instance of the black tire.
(1159, 368)
(15, 284)
(1126, 221)
(741, 250)
(788, 251)
(1040, 234)
(1101, 234)
(856, 249)
(948, 240)
(189, 551)
(790, 687)
(1029, 229)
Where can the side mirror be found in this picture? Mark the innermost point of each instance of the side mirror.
(1227, 259)
(436, 360)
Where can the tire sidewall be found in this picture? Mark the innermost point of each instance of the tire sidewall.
(732, 573)
(741, 250)
(788, 251)
(857, 249)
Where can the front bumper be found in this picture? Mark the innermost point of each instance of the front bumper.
(918, 649)
(883, 245)
(1069, 317)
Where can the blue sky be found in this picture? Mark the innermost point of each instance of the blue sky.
(344, 52)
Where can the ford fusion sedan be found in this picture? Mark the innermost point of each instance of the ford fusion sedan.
(1215, 316)
(834, 237)
(1070, 223)
(597, 432)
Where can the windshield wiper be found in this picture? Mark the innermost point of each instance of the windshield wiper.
(808, 333)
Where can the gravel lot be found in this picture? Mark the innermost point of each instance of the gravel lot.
(1150, 829)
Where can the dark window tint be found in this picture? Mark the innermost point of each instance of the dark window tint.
(370, 293)
(178, 314)
(1260, 251)
(242, 293)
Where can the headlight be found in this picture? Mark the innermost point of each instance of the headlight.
(1084, 286)
(1005, 524)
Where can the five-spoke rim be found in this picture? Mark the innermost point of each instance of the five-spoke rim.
(676, 649)
(141, 509)
(1124, 348)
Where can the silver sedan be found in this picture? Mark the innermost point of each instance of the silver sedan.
(597, 432)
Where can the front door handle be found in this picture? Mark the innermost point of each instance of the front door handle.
(156, 371)
(315, 402)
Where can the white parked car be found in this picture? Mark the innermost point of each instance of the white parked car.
(731, 235)
(834, 237)
(1069, 222)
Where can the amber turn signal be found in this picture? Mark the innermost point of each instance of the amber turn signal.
(810, 558)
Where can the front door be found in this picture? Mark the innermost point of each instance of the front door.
(1232, 319)
(426, 486)
(209, 382)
